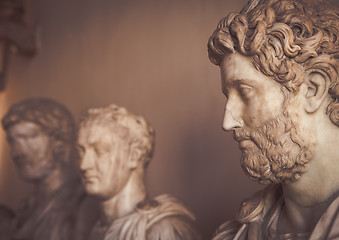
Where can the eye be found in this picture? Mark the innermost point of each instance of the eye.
(246, 91)
(99, 151)
(34, 134)
(31, 135)
(80, 150)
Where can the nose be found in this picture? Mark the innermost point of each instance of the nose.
(86, 160)
(232, 119)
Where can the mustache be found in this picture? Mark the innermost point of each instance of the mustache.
(241, 134)
(268, 130)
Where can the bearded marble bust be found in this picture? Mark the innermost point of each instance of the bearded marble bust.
(115, 148)
(40, 132)
(279, 72)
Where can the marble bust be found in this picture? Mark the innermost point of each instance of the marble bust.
(115, 148)
(40, 133)
(279, 72)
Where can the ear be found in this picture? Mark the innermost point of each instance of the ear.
(60, 149)
(317, 84)
(135, 158)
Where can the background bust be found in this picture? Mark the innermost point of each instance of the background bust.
(40, 132)
(115, 148)
(279, 70)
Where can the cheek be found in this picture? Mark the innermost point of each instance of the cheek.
(254, 112)
(261, 110)
(106, 168)
(40, 146)
(273, 100)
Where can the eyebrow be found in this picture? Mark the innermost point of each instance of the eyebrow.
(99, 145)
(29, 133)
(239, 81)
(242, 80)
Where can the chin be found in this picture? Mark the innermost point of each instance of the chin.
(101, 196)
(92, 189)
(33, 173)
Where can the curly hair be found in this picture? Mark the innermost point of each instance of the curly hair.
(52, 117)
(284, 39)
(135, 129)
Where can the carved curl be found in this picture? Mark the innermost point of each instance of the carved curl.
(283, 38)
(333, 112)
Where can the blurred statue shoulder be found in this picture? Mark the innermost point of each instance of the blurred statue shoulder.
(164, 217)
(57, 214)
(7, 217)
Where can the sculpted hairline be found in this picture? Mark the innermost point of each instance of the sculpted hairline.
(51, 117)
(131, 128)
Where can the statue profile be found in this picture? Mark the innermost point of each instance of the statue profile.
(40, 133)
(115, 148)
(279, 73)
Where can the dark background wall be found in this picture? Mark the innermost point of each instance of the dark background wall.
(149, 56)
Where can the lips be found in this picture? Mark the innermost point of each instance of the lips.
(240, 138)
(89, 177)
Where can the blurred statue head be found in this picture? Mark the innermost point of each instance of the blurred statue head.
(279, 68)
(11, 10)
(113, 144)
(40, 132)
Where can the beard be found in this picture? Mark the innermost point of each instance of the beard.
(276, 152)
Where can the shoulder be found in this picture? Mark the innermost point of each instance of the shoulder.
(164, 217)
(171, 220)
(170, 206)
(174, 228)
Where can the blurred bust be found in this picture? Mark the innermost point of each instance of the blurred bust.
(7, 217)
(115, 148)
(40, 133)
(279, 73)
(13, 27)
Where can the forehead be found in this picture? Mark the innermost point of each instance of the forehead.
(98, 133)
(236, 67)
(24, 128)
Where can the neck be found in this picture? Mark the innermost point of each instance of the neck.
(298, 216)
(309, 197)
(125, 201)
(50, 184)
